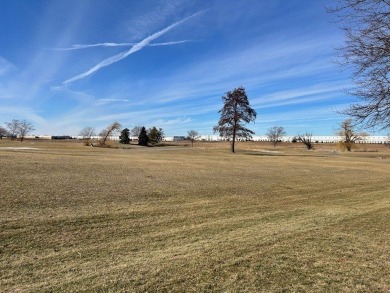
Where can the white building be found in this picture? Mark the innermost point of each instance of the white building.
(315, 138)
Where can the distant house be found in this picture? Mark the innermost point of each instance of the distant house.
(179, 138)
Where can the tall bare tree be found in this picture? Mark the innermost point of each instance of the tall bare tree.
(275, 134)
(235, 113)
(109, 131)
(350, 136)
(25, 128)
(366, 24)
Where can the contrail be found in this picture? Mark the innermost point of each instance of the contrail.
(135, 48)
(170, 43)
(86, 46)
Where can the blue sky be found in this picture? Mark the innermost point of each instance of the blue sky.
(69, 64)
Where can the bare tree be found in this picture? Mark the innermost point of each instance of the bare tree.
(109, 131)
(235, 112)
(192, 136)
(306, 140)
(86, 133)
(350, 137)
(136, 131)
(21, 128)
(25, 128)
(13, 128)
(366, 24)
(275, 134)
(3, 132)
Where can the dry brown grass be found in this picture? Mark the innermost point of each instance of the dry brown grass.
(174, 219)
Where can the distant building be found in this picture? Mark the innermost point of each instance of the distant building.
(179, 138)
(315, 138)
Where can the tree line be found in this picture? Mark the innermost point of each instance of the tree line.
(145, 136)
(234, 116)
(16, 128)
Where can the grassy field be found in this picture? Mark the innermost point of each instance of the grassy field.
(182, 219)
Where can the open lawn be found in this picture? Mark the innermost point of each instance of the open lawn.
(182, 219)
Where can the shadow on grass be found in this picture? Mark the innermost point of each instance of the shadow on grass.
(260, 154)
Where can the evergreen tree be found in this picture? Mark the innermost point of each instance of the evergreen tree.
(155, 135)
(143, 138)
(125, 136)
(235, 113)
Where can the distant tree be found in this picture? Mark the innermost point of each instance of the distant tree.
(350, 137)
(192, 136)
(235, 113)
(155, 135)
(17, 127)
(275, 134)
(306, 140)
(366, 24)
(125, 136)
(86, 133)
(3, 132)
(25, 128)
(143, 138)
(136, 131)
(13, 128)
(109, 131)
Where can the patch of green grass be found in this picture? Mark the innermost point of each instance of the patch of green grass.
(76, 218)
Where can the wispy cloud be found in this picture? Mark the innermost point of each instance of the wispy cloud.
(108, 101)
(87, 46)
(21, 112)
(177, 121)
(5, 66)
(299, 95)
(137, 47)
